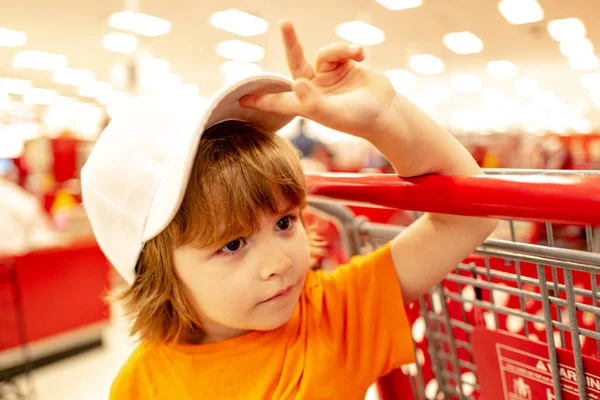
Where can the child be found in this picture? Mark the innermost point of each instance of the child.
(201, 212)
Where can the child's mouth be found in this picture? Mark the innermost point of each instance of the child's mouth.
(282, 294)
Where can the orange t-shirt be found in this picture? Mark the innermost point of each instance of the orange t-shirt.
(348, 329)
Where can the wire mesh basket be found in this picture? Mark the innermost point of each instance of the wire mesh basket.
(519, 318)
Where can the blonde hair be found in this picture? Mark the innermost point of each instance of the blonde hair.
(239, 174)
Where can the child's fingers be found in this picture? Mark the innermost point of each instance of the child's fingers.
(330, 56)
(305, 100)
(281, 103)
(329, 78)
(299, 67)
(312, 103)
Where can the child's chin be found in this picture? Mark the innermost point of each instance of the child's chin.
(275, 320)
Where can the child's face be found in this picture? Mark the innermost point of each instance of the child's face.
(235, 288)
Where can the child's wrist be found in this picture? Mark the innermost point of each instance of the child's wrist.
(391, 124)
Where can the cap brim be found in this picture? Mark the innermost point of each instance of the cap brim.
(222, 107)
(225, 104)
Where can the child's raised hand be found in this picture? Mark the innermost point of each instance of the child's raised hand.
(337, 92)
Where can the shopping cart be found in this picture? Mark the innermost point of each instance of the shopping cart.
(15, 380)
(515, 320)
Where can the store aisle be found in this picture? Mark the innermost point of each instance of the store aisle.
(88, 375)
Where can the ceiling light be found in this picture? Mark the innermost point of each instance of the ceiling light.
(155, 66)
(72, 76)
(426, 64)
(11, 38)
(463, 42)
(590, 81)
(191, 104)
(421, 100)
(66, 100)
(165, 83)
(519, 12)
(467, 119)
(190, 89)
(239, 22)
(495, 96)
(237, 69)
(122, 20)
(576, 48)
(40, 96)
(396, 5)
(526, 86)
(402, 80)
(142, 24)
(566, 29)
(148, 25)
(579, 107)
(240, 51)
(438, 93)
(14, 86)
(94, 89)
(573, 48)
(360, 32)
(118, 74)
(158, 64)
(585, 62)
(112, 96)
(4, 100)
(467, 83)
(120, 42)
(595, 97)
(36, 59)
(116, 106)
(502, 69)
(545, 99)
(172, 80)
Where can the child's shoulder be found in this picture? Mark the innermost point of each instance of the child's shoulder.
(133, 374)
(357, 271)
(379, 257)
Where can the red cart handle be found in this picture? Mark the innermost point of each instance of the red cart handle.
(568, 199)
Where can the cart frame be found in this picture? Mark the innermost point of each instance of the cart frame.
(543, 196)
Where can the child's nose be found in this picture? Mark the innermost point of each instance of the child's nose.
(276, 262)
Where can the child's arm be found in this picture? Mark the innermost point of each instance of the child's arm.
(347, 96)
(432, 246)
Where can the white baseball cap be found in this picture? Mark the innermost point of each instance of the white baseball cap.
(136, 176)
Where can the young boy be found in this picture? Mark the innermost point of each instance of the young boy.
(201, 212)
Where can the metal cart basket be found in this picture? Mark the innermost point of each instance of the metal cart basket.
(519, 318)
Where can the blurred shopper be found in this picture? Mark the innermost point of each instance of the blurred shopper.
(24, 224)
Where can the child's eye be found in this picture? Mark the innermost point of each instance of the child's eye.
(233, 246)
(286, 223)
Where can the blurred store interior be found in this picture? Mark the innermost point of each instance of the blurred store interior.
(517, 82)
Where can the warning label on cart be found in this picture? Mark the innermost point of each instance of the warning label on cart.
(514, 368)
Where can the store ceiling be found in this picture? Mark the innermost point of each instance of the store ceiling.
(76, 28)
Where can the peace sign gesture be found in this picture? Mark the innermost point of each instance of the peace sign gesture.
(337, 92)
